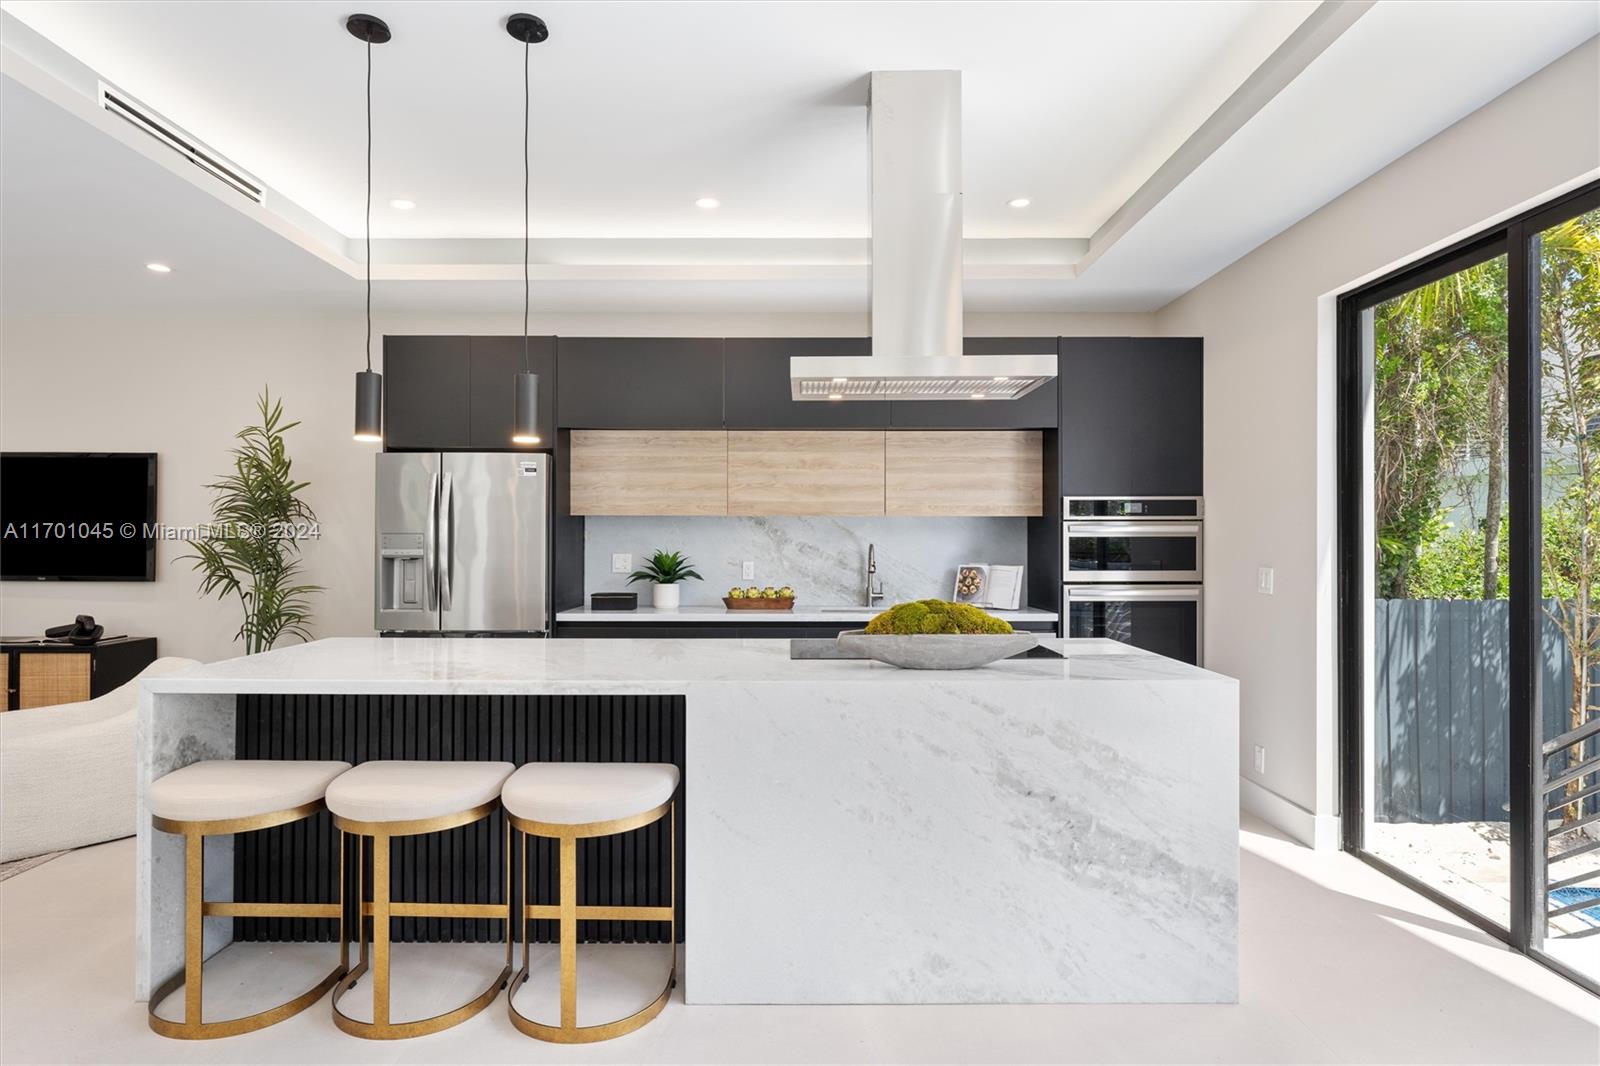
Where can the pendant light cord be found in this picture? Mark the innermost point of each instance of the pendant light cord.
(527, 46)
(369, 204)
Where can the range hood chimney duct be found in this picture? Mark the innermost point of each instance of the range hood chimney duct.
(915, 128)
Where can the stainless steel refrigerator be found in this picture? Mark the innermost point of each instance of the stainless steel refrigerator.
(462, 542)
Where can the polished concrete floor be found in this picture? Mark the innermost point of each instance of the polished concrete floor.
(1340, 965)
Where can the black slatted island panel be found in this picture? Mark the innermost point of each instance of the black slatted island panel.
(299, 862)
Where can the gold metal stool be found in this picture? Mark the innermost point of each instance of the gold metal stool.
(219, 798)
(383, 800)
(566, 802)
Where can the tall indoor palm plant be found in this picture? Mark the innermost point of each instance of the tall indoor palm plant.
(251, 548)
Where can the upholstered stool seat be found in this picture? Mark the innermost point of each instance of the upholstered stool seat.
(573, 793)
(572, 801)
(218, 798)
(413, 791)
(378, 801)
(218, 789)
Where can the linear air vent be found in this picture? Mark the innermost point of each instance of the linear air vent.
(124, 106)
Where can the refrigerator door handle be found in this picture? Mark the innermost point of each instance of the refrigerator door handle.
(446, 520)
(430, 564)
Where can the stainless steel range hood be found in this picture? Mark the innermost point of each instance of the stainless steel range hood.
(915, 118)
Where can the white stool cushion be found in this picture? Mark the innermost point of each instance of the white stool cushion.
(239, 788)
(574, 793)
(408, 791)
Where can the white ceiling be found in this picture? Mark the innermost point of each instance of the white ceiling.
(641, 108)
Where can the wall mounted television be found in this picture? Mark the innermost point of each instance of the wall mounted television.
(77, 516)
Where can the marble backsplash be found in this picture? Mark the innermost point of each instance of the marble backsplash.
(825, 559)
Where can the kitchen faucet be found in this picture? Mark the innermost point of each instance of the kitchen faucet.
(873, 594)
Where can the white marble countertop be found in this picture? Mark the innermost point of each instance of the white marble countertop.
(497, 666)
(689, 615)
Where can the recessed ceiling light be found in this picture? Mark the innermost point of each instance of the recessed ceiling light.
(1021, 201)
(403, 205)
(158, 268)
(708, 203)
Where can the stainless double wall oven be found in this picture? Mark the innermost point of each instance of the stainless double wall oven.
(1132, 569)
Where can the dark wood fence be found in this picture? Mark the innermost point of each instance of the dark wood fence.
(1441, 713)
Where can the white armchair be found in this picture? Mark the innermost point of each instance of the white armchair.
(67, 772)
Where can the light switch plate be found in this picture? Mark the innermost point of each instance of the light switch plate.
(622, 563)
(748, 571)
(1264, 579)
(1261, 759)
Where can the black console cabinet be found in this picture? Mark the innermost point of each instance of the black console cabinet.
(1131, 416)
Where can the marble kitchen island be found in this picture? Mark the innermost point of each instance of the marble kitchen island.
(1059, 830)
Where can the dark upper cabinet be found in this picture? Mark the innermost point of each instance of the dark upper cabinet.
(756, 386)
(639, 382)
(495, 362)
(427, 394)
(1037, 410)
(1131, 410)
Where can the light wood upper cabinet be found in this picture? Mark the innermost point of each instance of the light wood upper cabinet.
(649, 472)
(830, 472)
(982, 472)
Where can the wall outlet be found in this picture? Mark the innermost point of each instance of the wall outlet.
(1261, 759)
(747, 570)
(622, 563)
(1264, 579)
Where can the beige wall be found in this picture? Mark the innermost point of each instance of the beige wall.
(181, 386)
(1267, 324)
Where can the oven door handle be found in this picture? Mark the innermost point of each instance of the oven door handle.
(1133, 529)
(1133, 592)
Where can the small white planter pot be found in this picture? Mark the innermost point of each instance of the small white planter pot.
(664, 596)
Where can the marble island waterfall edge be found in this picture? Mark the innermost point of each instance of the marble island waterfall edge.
(1040, 831)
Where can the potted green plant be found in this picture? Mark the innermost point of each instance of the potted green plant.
(666, 569)
(251, 548)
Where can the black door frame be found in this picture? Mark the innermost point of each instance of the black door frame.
(1513, 238)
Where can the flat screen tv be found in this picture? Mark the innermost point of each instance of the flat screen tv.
(77, 516)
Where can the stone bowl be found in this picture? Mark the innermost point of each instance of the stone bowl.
(936, 651)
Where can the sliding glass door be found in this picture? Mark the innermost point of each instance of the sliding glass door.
(1567, 258)
(1438, 735)
(1470, 579)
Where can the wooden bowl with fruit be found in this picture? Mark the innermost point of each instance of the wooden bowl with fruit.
(756, 598)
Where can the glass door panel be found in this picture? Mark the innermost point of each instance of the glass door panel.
(1438, 714)
(1567, 771)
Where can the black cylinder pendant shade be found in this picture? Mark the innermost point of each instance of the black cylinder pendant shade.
(369, 405)
(525, 429)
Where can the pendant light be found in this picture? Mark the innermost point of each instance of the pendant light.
(369, 383)
(530, 30)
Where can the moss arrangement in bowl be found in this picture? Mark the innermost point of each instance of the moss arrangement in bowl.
(935, 616)
(936, 635)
